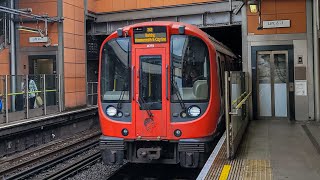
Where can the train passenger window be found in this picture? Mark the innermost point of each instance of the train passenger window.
(150, 82)
(115, 70)
(190, 68)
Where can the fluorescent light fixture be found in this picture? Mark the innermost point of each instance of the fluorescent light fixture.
(253, 5)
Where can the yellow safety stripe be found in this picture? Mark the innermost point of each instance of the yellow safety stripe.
(225, 172)
(18, 93)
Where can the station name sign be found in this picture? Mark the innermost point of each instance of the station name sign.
(276, 24)
(38, 39)
(150, 34)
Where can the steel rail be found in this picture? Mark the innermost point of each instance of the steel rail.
(50, 145)
(45, 165)
(73, 168)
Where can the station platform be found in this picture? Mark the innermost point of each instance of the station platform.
(19, 135)
(270, 149)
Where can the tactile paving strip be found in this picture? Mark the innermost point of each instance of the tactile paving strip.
(241, 168)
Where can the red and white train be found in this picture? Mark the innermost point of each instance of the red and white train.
(161, 94)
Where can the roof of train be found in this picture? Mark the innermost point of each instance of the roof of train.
(220, 47)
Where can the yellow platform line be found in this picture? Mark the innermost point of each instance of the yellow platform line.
(225, 172)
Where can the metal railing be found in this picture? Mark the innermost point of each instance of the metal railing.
(92, 93)
(236, 108)
(34, 95)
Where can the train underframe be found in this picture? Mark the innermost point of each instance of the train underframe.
(189, 153)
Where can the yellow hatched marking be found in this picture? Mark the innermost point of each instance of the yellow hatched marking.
(225, 172)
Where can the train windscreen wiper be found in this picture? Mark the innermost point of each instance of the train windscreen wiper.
(177, 93)
(122, 96)
(142, 104)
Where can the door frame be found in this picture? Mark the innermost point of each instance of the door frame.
(136, 79)
(31, 59)
(272, 84)
(290, 68)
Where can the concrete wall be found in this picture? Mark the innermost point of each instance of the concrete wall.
(120, 5)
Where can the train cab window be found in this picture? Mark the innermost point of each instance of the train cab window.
(190, 68)
(115, 70)
(150, 82)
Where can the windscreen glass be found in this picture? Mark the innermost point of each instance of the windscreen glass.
(115, 70)
(189, 68)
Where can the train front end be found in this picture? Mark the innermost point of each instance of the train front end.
(159, 98)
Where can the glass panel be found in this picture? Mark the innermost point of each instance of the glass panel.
(190, 68)
(115, 71)
(150, 82)
(280, 85)
(51, 93)
(264, 85)
(35, 85)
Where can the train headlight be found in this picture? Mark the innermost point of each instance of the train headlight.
(125, 132)
(194, 111)
(177, 132)
(111, 111)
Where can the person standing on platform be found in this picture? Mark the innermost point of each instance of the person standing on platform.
(32, 92)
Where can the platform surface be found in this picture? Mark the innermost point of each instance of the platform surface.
(272, 149)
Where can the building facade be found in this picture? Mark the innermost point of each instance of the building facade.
(277, 45)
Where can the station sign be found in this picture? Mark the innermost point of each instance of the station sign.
(38, 39)
(276, 24)
(150, 34)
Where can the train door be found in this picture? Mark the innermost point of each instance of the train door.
(272, 85)
(150, 97)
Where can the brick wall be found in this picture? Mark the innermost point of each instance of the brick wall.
(74, 53)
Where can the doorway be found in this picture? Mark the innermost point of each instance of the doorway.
(45, 64)
(272, 68)
(272, 84)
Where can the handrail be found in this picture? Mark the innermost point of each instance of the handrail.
(238, 106)
(243, 100)
(236, 100)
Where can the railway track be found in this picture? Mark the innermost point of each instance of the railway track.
(31, 166)
(75, 167)
(154, 171)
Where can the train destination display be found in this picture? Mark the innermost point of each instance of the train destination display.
(156, 34)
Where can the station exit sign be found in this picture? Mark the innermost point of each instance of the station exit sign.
(38, 39)
(276, 24)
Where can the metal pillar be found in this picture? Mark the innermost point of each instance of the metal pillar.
(12, 58)
(59, 95)
(227, 110)
(27, 96)
(44, 95)
(6, 95)
(316, 60)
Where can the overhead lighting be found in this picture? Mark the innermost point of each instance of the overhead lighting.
(29, 29)
(254, 6)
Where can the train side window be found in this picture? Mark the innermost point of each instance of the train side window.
(190, 68)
